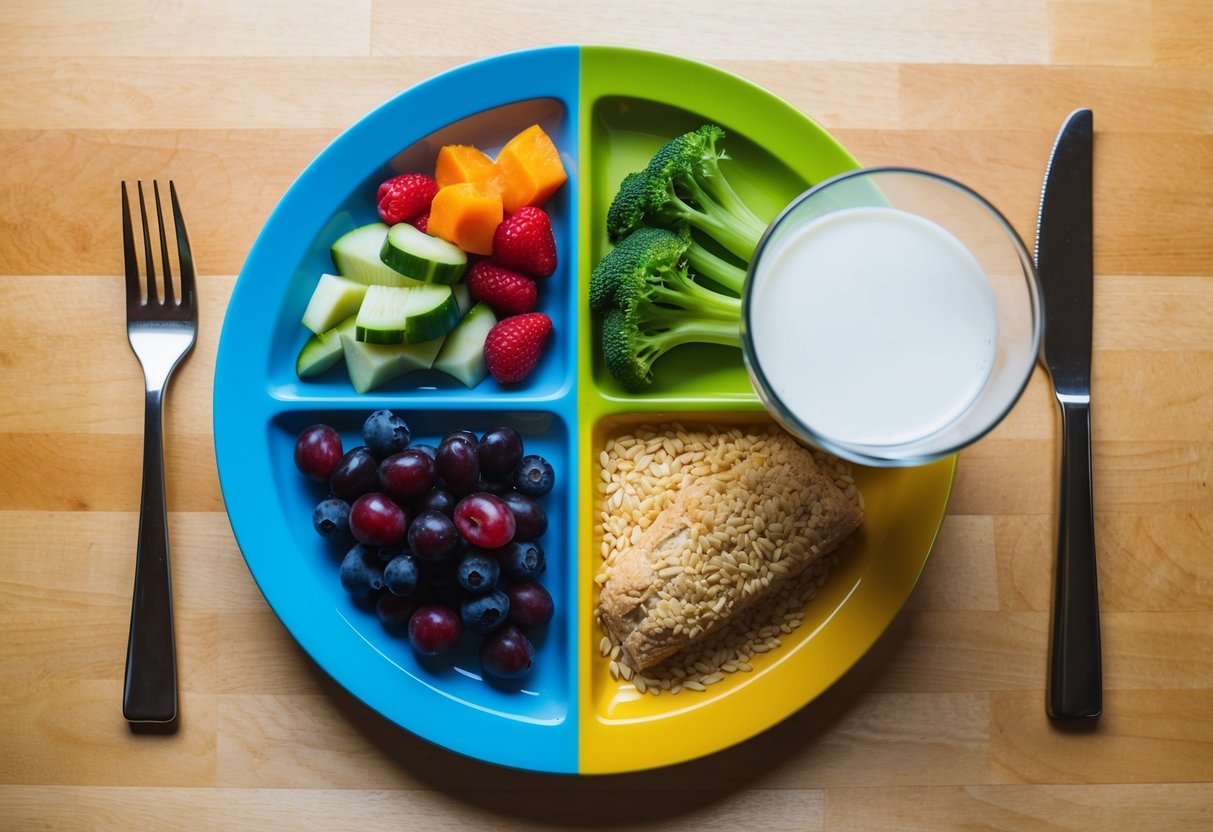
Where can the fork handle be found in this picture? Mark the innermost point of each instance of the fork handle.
(150, 693)
(1075, 684)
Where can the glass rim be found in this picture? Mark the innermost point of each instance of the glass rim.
(863, 453)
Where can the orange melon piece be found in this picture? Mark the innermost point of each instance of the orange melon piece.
(529, 169)
(462, 163)
(467, 214)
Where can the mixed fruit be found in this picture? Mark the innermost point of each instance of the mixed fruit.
(446, 539)
(449, 279)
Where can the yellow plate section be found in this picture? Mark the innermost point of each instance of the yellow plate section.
(624, 730)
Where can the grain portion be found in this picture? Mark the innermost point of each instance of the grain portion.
(707, 528)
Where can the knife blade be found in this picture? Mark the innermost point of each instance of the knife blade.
(1065, 264)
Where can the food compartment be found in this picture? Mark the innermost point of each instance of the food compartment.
(302, 581)
(623, 135)
(342, 206)
(855, 590)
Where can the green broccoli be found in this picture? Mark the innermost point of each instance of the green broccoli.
(652, 303)
(683, 184)
(651, 265)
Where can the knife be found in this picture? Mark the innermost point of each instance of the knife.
(1064, 261)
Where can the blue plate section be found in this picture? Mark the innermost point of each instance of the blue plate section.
(260, 406)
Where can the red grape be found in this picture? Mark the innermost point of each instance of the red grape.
(530, 604)
(484, 520)
(434, 629)
(377, 521)
(407, 474)
(317, 452)
(356, 474)
(500, 452)
(433, 536)
(507, 654)
(530, 520)
(458, 464)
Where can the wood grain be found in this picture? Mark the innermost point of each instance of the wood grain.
(940, 726)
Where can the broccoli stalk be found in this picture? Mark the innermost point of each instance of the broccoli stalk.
(652, 303)
(632, 341)
(708, 264)
(683, 184)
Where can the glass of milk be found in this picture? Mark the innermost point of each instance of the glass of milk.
(891, 316)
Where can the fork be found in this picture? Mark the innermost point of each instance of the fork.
(161, 327)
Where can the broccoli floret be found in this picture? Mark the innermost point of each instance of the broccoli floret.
(650, 265)
(652, 303)
(683, 184)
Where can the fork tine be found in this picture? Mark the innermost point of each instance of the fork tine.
(168, 271)
(134, 293)
(149, 261)
(185, 255)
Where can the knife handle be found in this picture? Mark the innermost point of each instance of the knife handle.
(1075, 684)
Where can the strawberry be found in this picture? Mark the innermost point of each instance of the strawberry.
(422, 223)
(524, 241)
(507, 291)
(405, 197)
(513, 346)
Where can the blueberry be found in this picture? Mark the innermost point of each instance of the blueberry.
(400, 576)
(385, 433)
(521, 560)
(534, 476)
(331, 518)
(477, 571)
(361, 573)
(485, 613)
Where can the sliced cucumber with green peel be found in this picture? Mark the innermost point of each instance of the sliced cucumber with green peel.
(462, 354)
(412, 314)
(373, 365)
(320, 352)
(422, 257)
(333, 300)
(463, 297)
(356, 256)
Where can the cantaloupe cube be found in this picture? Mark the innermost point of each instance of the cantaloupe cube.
(529, 169)
(462, 163)
(467, 214)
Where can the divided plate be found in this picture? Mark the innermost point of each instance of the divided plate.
(607, 109)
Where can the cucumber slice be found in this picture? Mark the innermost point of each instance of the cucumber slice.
(463, 297)
(373, 365)
(462, 355)
(356, 256)
(333, 300)
(422, 257)
(391, 315)
(320, 352)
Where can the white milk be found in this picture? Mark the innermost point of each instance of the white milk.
(873, 325)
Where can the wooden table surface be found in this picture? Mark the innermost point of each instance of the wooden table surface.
(941, 726)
